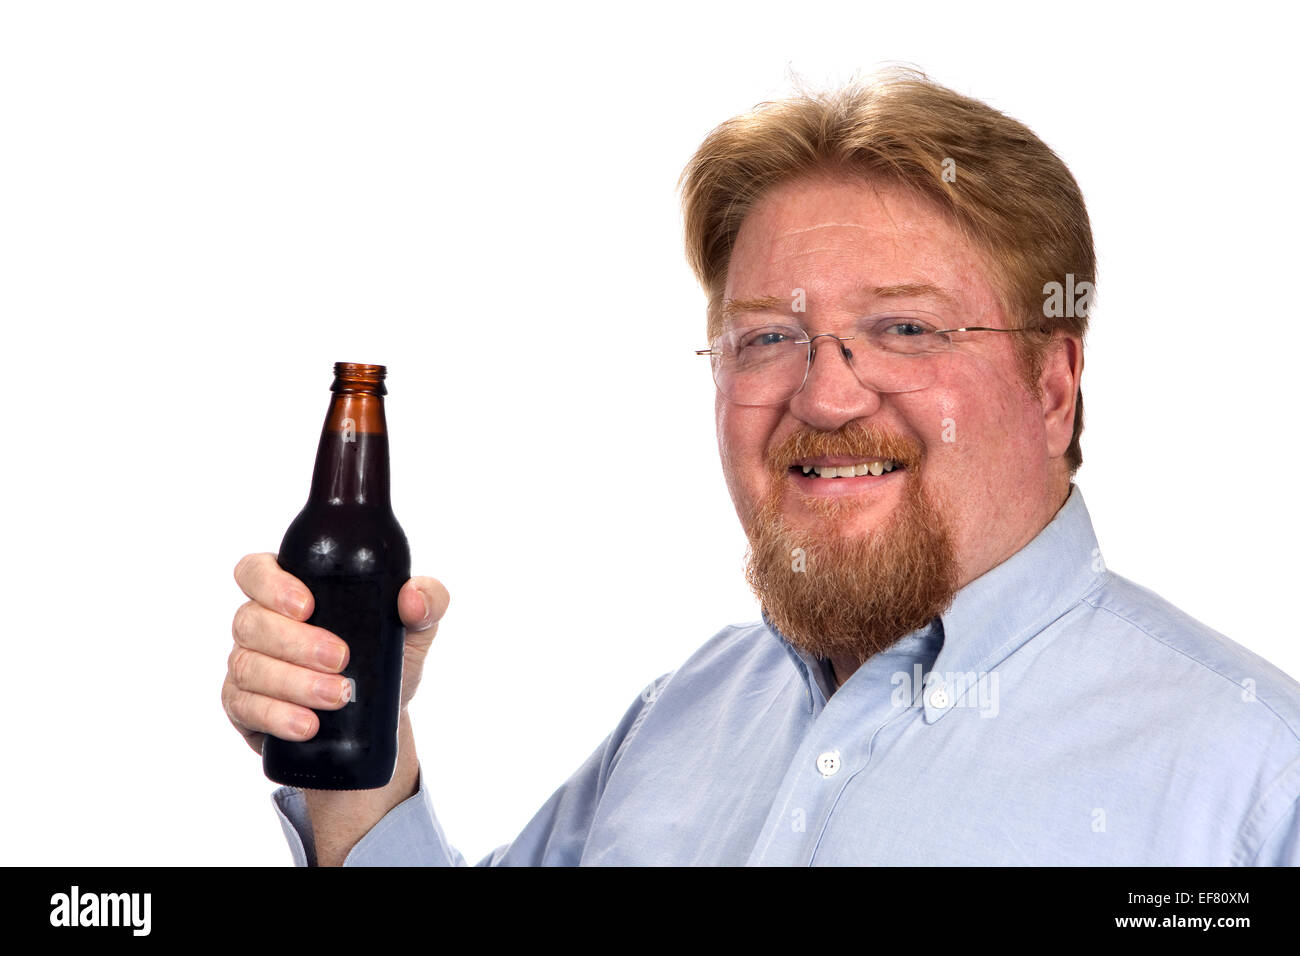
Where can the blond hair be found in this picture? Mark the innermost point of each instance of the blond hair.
(1005, 190)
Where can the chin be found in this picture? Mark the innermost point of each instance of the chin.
(848, 514)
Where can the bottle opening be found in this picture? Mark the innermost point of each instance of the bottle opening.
(359, 377)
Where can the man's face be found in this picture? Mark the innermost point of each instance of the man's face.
(982, 458)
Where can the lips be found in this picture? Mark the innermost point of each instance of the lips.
(844, 477)
(849, 460)
(846, 467)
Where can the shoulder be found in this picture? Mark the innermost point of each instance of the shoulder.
(1165, 645)
(736, 655)
(1219, 722)
(738, 659)
(747, 639)
(739, 656)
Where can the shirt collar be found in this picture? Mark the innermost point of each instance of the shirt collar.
(1001, 610)
(814, 670)
(998, 612)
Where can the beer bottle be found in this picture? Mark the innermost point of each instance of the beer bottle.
(348, 549)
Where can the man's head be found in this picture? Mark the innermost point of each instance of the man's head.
(900, 196)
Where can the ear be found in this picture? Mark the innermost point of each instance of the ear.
(1058, 383)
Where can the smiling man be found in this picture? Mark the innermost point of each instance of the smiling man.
(945, 671)
(957, 460)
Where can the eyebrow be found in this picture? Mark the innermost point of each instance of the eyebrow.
(776, 303)
(763, 303)
(912, 290)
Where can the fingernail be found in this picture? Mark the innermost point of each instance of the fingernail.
(295, 603)
(301, 724)
(331, 690)
(330, 655)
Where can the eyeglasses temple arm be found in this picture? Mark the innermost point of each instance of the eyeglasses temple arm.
(983, 328)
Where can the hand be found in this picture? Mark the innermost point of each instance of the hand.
(281, 667)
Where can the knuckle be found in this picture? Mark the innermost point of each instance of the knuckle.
(438, 599)
(248, 569)
(232, 701)
(241, 666)
(242, 626)
(420, 641)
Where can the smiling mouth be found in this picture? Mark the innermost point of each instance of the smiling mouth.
(847, 469)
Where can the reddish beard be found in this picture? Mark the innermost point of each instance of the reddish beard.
(850, 596)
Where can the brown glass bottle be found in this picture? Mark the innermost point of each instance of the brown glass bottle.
(348, 549)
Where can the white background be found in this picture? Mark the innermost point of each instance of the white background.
(203, 206)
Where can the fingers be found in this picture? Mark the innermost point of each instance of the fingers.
(263, 695)
(264, 581)
(421, 604)
(255, 715)
(280, 669)
(269, 632)
(259, 674)
(286, 660)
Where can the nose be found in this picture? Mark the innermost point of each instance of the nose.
(832, 394)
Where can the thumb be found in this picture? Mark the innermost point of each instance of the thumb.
(421, 604)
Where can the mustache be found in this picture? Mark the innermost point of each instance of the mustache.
(855, 439)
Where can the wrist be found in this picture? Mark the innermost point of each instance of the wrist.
(341, 818)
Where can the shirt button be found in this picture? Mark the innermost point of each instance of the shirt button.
(829, 763)
(939, 698)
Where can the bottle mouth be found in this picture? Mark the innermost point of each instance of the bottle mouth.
(359, 377)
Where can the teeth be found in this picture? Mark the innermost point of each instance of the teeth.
(877, 467)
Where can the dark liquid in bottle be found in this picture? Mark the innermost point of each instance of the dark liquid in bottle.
(348, 549)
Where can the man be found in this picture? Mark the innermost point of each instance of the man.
(945, 673)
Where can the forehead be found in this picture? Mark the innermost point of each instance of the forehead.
(840, 240)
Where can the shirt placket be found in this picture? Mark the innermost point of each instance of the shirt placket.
(837, 747)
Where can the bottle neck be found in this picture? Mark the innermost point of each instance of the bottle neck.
(352, 458)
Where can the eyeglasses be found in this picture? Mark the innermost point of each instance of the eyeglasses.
(899, 352)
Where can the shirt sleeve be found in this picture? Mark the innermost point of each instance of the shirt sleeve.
(410, 834)
(1282, 847)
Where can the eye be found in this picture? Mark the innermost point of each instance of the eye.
(758, 339)
(902, 324)
(764, 338)
(906, 332)
(902, 327)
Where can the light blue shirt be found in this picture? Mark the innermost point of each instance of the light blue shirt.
(1055, 714)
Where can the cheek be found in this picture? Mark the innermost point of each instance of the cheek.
(743, 434)
(982, 437)
(726, 439)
